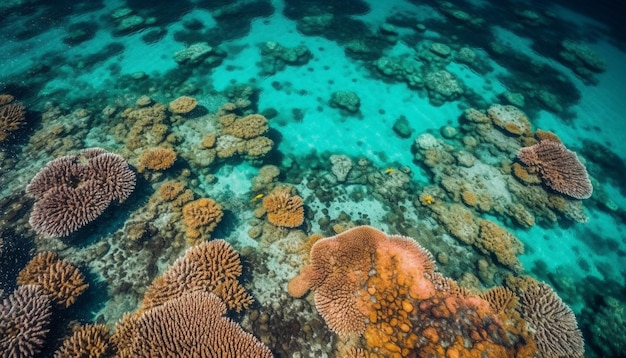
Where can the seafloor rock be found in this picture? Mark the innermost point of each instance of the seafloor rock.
(346, 100)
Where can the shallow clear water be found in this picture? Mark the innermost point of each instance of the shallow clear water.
(406, 116)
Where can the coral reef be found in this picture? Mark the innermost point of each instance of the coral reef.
(191, 325)
(559, 168)
(201, 217)
(24, 322)
(212, 266)
(90, 340)
(73, 190)
(159, 158)
(63, 282)
(12, 116)
(284, 209)
(183, 105)
(556, 330)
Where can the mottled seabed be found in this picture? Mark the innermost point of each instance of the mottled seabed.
(230, 164)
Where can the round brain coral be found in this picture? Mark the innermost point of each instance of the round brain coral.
(284, 209)
(60, 279)
(183, 104)
(201, 216)
(159, 158)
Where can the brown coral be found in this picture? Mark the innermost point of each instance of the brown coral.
(170, 190)
(193, 325)
(499, 298)
(201, 217)
(60, 279)
(183, 104)
(212, 266)
(12, 116)
(91, 340)
(494, 239)
(248, 127)
(556, 330)
(24, 320)
(558, 167)
(159, 158)
(284, 209)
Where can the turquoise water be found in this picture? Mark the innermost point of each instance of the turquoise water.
(103, 74)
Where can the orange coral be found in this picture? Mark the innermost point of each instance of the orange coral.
(159, 158)
(60, 279)
(201, 217)
(283, 209)
(522, 173)
(183, 104)
(86, 341)
(212, 266)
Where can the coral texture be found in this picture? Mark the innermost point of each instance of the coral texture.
(556, 330)
(91, 340)
(284, 209)
(73, 190)
(159, 158)
(250, 126)
(201, 217)
(183, 104)
(12, 116)
(61, 280)
(212, 266)
(24, 320)
(558, 167)
(193, 325)
(510, 119)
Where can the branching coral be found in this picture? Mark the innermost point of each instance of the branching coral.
(61, 280)
(558, 167)
(24, 320)
(211, 266)
(556, 330)
(73, 190)
(192, 325)
(201, 217)
(12, 116)
(91, 340)
(284, 209)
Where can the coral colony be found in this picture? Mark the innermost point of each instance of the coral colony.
(278, 178)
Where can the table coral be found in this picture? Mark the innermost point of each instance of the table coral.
(559, 168)
(183, 105)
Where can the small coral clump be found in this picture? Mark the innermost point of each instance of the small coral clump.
(183, 104)
(159, 158)
(284, 209)
(12, 116)
(201, 217)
